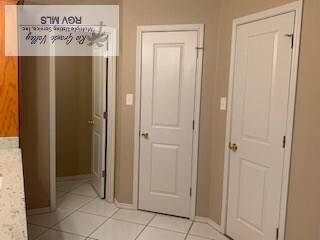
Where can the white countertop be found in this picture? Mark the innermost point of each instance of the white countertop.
(12, 199)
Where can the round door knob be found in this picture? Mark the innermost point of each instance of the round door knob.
(233, 147)
(145, 135)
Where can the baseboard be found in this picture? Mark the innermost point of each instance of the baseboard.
(37, 211)
(214, 225)
(76, 177)
(124, 205)
(208, 221)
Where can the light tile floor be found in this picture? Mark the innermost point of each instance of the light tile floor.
(81, 215)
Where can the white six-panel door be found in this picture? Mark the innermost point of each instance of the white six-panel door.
(98, 148)
(168, 80)
(263, 55)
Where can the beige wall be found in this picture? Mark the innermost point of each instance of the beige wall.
(34, 115)
(146, 12)
(73, 110)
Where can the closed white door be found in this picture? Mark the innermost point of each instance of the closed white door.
(99, 87)
(263, 57)
(168, 80)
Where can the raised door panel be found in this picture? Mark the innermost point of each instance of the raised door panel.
(99, 88)
(167, 111)
(259, 113)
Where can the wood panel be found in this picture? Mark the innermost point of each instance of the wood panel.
(9, 107)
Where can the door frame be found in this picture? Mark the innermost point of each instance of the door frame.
(199, 28)
(110, 129)
(297, 8)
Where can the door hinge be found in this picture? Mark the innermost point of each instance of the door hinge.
(105, 115)
(193, 124)
(277, 234)
(199, 48)
(284, 140)
(190, 192)
(103, 173)
(292, 39)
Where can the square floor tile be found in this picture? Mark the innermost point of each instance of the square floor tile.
(85, 190)
(49, 219)
(204, 230)
(72, 201)
(35, 231)
(68, 186)
(171, 223)
(117, 230)
(56, 235)
(151, 233)
(134, 216)
(99, 207)
(191, 237)
(80, 223)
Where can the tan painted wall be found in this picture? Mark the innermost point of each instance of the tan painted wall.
(304, 197)
(34, 139)
(146, 12)
(73, 110)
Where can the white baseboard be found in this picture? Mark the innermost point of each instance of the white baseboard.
(76, 177)
(37, 211)
(124, 205)
(214, 225)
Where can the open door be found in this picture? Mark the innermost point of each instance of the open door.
(99, 108)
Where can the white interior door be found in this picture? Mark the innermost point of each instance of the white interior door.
(99, 87)
(168, 80)
(263, 55)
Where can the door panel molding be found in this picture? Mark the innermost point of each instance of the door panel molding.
(199, 28)
(296, 8)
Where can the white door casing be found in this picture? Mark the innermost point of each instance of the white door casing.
(98, 148)
(261, 84)
(168, 88)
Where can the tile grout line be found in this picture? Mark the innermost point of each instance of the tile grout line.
(127, 221)
(207, 238)
(57, 190)
(102, 224)
(87, 237)
(148, 223)
(189, 230)
(75, 210)
(72, 212)
(166, 229)
(170, 230)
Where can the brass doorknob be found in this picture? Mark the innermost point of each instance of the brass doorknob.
(91, 122)
(145, 135)
(233, 147)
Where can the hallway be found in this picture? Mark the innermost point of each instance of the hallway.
(82, 215)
